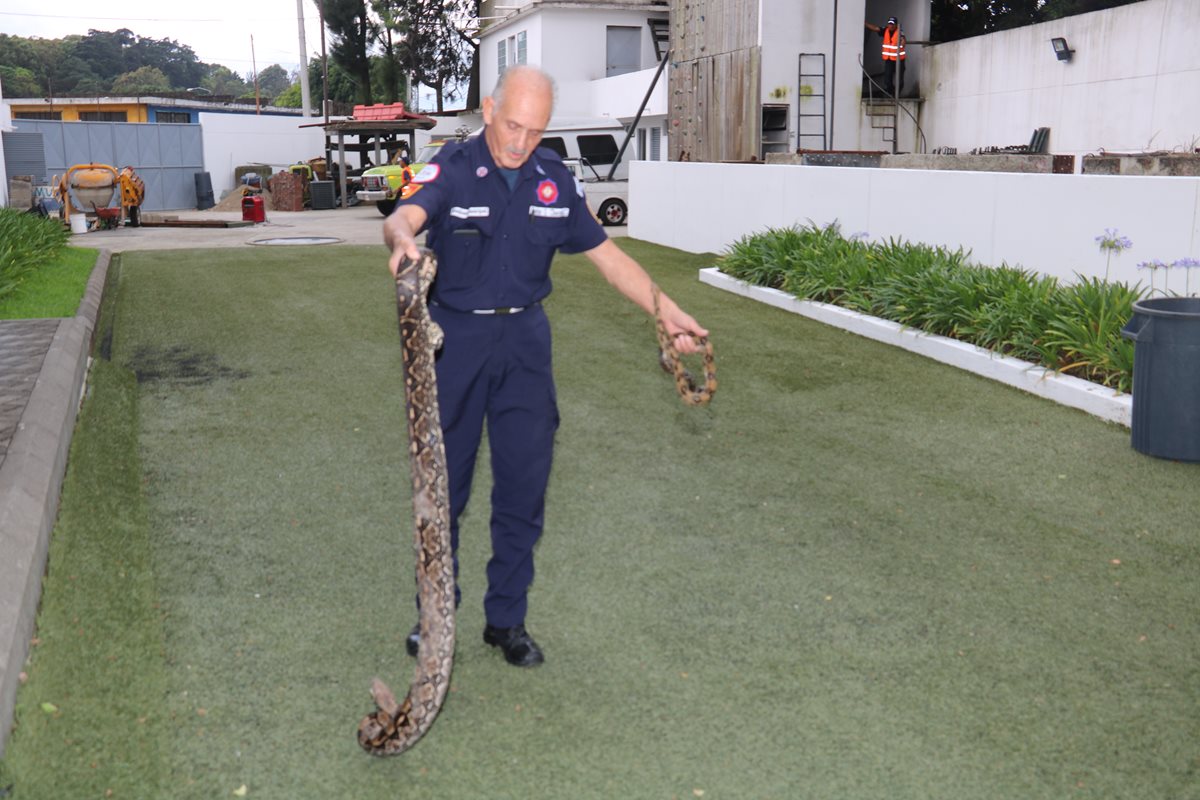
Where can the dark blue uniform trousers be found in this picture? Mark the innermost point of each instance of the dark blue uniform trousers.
(498, 368)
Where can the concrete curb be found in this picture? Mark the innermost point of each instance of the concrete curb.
(1100, 401)
(31, 477)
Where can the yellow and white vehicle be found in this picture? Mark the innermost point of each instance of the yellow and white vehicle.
(382, 185)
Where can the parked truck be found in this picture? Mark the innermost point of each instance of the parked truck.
(381, 185)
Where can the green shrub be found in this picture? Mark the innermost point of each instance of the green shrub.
(27, 242)
(1074, 329)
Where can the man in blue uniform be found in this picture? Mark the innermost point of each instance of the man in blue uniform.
(497, 209)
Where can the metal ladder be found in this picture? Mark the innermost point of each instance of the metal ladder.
(807, 93)
(882, 114)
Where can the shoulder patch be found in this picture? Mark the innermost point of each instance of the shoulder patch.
(428, 174)
(409, 190)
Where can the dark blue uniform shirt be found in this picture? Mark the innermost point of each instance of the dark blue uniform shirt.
(494, 245)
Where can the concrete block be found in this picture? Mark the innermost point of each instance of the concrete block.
(999, 162)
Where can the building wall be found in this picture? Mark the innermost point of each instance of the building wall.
(5, 125)
(231, 140)
(154, 114)
(1042, 222)
(570, 43)
(1131, 85)
(134, 112)
(715, 79)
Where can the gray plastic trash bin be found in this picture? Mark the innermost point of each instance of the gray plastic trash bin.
(204, 191)
(1166, 377)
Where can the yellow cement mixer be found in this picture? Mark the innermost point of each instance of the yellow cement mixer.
(91, 187)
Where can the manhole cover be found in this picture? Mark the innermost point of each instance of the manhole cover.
(298, 240)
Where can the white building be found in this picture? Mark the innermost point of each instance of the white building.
(750, 77)
(604, 56)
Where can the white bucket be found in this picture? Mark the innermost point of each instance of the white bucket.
(79, 223)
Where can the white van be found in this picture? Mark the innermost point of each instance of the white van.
(608, 200)
(595, 141)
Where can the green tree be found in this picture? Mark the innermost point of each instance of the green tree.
(350, 29)
(143, 80)
(958, 19)
(273, 81)
(105, 52)
(342, 87)
(223, 81)
(290, 97)
(19, 82)
(178, 62)
(431, 45)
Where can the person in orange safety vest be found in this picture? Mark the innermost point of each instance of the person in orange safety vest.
(893, 54)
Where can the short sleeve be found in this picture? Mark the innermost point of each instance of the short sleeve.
(585, 232)
(430, 189)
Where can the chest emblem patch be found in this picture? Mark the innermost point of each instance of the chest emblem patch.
(481, 172)
(547, 192)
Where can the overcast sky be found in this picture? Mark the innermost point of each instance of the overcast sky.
(218, 31)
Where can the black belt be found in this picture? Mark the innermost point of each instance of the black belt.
(485, 311)
(512, 310)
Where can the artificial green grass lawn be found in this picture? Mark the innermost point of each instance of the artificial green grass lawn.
(858, 574)
(54, 290)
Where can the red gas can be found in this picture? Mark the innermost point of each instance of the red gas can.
(253, 209)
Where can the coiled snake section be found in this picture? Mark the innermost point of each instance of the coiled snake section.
(672, 364)
(396, 726)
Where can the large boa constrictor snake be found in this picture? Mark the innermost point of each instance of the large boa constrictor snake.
(396, 726)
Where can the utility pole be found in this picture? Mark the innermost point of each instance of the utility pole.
(254, 66)
(324, 64)
(305, 95)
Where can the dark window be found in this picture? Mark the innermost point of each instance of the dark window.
(556, 144)
(623, 50)
(598, 148)
(37, 115)
(173, 116)
(103, 116)
(774, 118)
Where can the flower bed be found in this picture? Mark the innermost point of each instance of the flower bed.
(1073, 329)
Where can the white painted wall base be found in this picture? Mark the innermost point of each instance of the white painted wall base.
(1046, 223)
(1100, 401)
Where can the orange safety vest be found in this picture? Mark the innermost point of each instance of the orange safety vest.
(893, 45)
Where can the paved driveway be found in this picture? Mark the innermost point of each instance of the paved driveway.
(362, 225)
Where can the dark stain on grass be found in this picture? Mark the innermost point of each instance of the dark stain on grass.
(180, 364)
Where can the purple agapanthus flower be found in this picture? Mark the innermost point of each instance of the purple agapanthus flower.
(1111, 240)
(1152, 264)
(1187, 263)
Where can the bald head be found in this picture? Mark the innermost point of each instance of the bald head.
(517, 113)
(524, 78)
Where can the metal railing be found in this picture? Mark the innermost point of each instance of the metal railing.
(897, 107)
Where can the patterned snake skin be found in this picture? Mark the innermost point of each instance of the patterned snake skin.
(394, 727)
(671, 363)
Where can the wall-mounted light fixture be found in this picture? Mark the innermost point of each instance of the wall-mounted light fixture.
(1061, 49)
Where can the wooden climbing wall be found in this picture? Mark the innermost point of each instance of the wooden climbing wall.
(715, 80)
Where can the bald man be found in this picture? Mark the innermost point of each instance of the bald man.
(496, 209)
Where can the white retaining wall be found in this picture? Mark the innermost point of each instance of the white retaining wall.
(231, 140)
(1046, 223)
(1130, 86)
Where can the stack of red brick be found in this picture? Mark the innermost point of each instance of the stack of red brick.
(287, 191)
(379, 111)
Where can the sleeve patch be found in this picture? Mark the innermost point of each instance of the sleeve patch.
(409, 190)
(427, 174)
